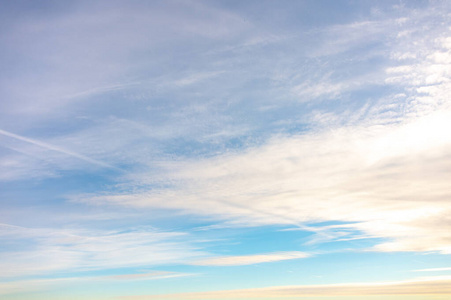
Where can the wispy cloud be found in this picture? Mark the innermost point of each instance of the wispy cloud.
(250, 259)
(33, 285)
(233, 115)
(149, 276)
(434, 270)
(43, 284)
(57, 149)
(347, 174)
(422, 286)
(383, 172)
(51, 250)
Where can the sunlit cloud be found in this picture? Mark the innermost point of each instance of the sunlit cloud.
(242, 260)
(348, 174)
(385, 174)
(144, 135)
(425, 286)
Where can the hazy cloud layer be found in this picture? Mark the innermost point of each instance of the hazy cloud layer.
(136, 134)
(426, 286)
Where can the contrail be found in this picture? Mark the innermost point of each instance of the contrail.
(57, 149)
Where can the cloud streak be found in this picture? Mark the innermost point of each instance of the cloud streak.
(51, 250)
(57, 149)
(424, 286)
(149, 276)
(434, 270)
(42, 284)
(243, 260)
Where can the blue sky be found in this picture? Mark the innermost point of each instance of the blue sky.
(225, 150)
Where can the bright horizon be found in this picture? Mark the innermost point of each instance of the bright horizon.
(225, 150)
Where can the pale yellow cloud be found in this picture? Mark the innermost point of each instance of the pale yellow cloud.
(42, 284)
(428, 287)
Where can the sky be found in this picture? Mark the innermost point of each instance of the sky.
(225, 150)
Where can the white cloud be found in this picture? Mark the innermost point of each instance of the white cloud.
(434, 270)
(250, 259)
(52, 250)
(149, 276)
(389, 181)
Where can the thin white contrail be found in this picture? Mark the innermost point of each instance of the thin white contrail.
(57, 149)
(433, 270)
